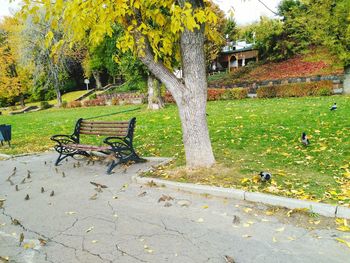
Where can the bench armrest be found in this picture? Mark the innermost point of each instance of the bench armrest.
(64, 139)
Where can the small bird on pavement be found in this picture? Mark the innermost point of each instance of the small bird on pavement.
(52, 193)
(21, 238)
(334, 107)
(28, 175)
(229, 259)
(304, 139)
(236, 220)
(27, 197)
(42, 190)
(17, 187)
(265, 176)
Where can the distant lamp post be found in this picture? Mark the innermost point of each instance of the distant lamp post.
(87, 82)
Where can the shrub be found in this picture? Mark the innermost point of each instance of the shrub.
(74, 104)
(235, 94)
(44, 105)
(115, 101)
(320, 88)
(217, 94)
(95, 102)
(93, 96)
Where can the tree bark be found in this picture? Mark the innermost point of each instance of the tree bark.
(190, 96)
(192, 105)
(155, 100)
(21, 99)
(97, 78)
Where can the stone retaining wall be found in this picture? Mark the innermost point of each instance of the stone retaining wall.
(338, 82)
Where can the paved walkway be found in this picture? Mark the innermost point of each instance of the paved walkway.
(126, 222)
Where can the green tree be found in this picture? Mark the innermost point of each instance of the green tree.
(158, 32)
(13, 78)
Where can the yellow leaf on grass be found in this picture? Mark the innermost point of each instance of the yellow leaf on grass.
(205, 206)
(244, 180)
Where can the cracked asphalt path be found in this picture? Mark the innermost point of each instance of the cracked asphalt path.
(126, 222)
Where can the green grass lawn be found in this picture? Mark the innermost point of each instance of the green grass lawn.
(70, 96)
(247, 135)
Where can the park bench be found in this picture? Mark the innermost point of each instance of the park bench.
(117, 141)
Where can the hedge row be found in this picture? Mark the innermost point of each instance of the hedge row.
(320, 88)
(217, 94)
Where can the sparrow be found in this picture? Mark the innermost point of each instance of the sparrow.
(21, 238)
(236, 220)
(265, 176)
(15, 222)
(28, 175)
(52, 193)
(27, 197)
(17, 187)
(99, 185)
(229, 259)
(42, 190)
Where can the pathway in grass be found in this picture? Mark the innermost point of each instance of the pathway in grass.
(247, 135)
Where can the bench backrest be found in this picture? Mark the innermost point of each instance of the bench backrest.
(105, 128)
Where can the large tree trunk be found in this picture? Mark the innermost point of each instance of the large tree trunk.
(21, 99)
(97, 78)
(155, 101)
(59, 97)
(190, 96)
(193, 101)
(56, 83)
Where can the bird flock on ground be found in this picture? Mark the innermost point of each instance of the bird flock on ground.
(266, 176)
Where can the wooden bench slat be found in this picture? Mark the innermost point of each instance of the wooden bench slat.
(87, 147)
(104, 126)
(105, 122)
(103, 133)
(104, 129)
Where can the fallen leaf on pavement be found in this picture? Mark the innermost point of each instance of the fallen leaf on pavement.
(89, 229)
(70, 213)
(343, 241)
(279, 229)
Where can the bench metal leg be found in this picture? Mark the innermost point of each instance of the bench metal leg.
(60, 159)
(112, 166)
